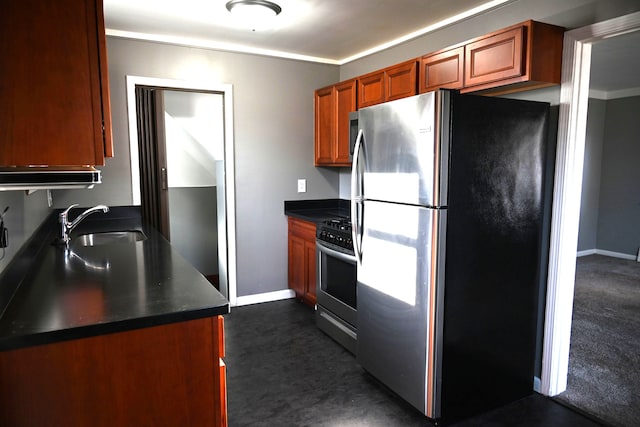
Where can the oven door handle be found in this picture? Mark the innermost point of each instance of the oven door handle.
(336, 254)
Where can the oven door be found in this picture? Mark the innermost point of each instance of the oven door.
(336, 282)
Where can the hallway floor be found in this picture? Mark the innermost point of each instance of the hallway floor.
(604, 358)
(283, 371)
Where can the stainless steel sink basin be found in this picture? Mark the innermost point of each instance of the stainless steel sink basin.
(108, 237)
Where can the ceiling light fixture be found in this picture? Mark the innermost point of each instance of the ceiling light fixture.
(253, 10)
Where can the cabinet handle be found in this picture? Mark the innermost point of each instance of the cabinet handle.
(163, 178)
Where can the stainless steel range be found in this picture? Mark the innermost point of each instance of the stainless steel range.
(336, 282)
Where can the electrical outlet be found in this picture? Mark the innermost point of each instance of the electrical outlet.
(302, 185)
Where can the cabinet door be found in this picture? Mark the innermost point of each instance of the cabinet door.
(401, 80)
(220, 374)
(51, 82)
(310, 282)
(302, 259)
(297, 264)
(371, 89)
(345, 103)
(442, 70)
(496, 57)
(159, 376)
(325, 125)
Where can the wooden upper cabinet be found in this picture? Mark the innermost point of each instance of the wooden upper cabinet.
(324, 125)
(332, 107)
(496, 57)
(54, 92)
(345, 104)
(398, 81)
(371, 89)
(527, 55)
(521, 57)
(401, 80)
(442, 70)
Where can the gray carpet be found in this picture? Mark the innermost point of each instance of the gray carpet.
(604, 360)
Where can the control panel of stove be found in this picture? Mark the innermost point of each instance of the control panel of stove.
(336, 232)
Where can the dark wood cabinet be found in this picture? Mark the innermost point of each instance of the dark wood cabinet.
(332, 107)
(442, 70)
(54, 91)
(163, 375)
(302, 259)
(525, 56)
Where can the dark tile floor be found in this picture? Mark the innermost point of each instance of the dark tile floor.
(283, 371)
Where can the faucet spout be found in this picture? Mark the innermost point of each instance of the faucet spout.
(68, 226)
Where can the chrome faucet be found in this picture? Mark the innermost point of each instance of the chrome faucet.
(67, 226)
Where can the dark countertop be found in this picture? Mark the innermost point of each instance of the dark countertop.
(88, 291)
(319, 210)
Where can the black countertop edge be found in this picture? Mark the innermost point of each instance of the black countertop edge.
(317, 210)
(51, 337)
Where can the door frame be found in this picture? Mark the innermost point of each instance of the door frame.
(574, 97)
(229, 178)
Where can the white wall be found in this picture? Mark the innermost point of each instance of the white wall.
(194, 133)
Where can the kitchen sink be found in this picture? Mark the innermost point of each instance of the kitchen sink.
(108, 237)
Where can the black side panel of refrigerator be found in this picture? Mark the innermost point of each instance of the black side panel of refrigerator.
(496, 212)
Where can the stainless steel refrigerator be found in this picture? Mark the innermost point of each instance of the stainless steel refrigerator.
(449, 215)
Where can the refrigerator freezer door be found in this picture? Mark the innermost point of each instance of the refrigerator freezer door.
(398, 337)
(401, 153)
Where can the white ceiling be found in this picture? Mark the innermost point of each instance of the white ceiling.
(335, 31)
(332, 31)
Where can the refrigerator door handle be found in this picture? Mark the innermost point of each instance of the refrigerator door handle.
(356, 197)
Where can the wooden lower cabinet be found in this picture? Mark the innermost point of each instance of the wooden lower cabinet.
(302, 260)
(170, 375)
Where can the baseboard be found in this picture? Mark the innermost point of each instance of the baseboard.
(586, 252)
(606, 253)
(265, 297)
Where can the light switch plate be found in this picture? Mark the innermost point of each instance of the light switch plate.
(302, 186)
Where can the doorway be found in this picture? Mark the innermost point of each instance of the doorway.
(182, 170)
(567, 194)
